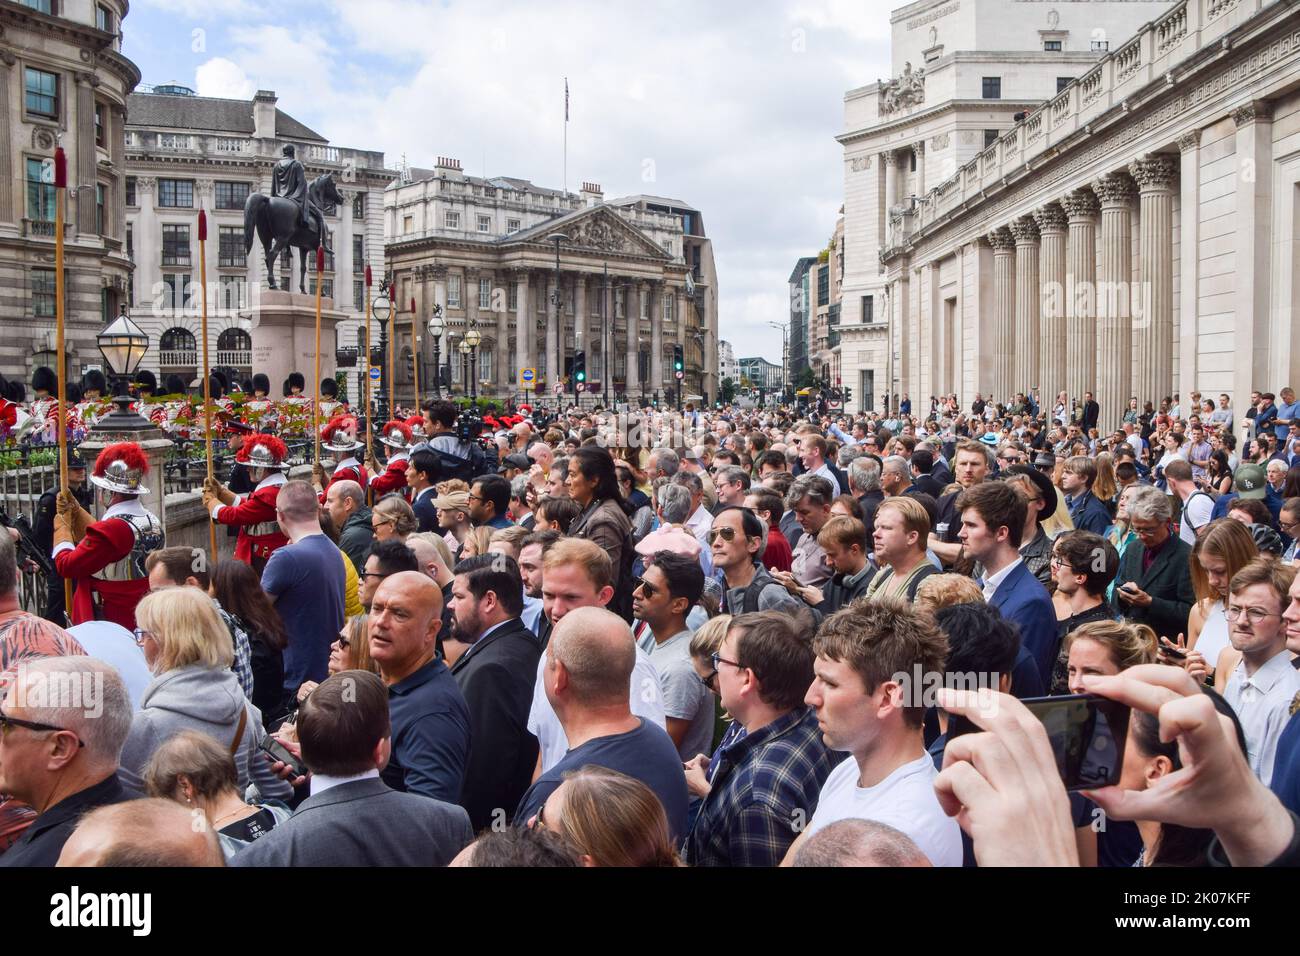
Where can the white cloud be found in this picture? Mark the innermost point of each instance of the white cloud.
(206, 10)
(223, 78)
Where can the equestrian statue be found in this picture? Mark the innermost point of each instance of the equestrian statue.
(292, 216)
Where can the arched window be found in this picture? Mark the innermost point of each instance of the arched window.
(235, 349)
(178, 347)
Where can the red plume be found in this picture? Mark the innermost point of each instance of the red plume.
(60, 169)
(412, 305)
(320, 259)
(203, 226)
(8, 413)
(272, 444)
(367, 277)
(400, 427)
(126, 451)
(415, 420)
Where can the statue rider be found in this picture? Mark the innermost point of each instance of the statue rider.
(289, 180)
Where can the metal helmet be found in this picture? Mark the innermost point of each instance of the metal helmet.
(121, 468)
(419, 428)
(340, 435)
(396, 434)
(263, 451)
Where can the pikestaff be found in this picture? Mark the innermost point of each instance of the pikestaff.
(365, 387)
(60, 191)
(320, 270)
(203, 347)
(415, 352)
(392, 339)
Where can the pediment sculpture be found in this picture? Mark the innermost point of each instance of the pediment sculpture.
(902, 92)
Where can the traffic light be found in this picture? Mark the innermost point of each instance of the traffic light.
(678, 365)
(580, 367)
(848, 394)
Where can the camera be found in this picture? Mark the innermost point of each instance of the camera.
(27, 546)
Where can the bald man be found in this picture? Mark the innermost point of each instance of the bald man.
(431, 563)
(150, 832)
(589, 663)
(860, 843)
(429, 717)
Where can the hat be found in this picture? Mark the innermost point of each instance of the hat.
(44, 379)
(263, 451)
(1249, 482)
(456, 501)
(121, 468)
(1041, 482)
(94, 380)
(296, 380)
(261, 383)
(1045, 459)
(329, 388)
(175, 385)
(418, 426)
(675, 540)
(147, 381)
(395, 434)
(340, 435)
(990, 439)
(516, 460)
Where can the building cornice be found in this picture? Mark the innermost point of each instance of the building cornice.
(95, 46)
(948, 106)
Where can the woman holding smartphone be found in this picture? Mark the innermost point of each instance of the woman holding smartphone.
(1224, 549)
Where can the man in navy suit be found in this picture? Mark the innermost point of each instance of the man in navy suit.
(496, 676)
(993, 519)
(422, 473)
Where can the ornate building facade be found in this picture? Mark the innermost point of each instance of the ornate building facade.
(635, 278)
(1132, 236)
(63, 81)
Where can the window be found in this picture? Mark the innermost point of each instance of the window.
(231, 144)
(178, 297)
(130, 242)
(911, 161)
(176, 245)
(329, 262)
(1062, 82)
(484, 365)
(326, 287)
(359, 206)
(868, 306)
(485, 293)
(176, 193)
(40, 6)
(130, 191)
(358, 254)
(40, 190)
(451, 220)
(173, 141)
(992, 87)
(484, 223)
(453, 292)
(1100, 46)
(178, 346)
(990, 137)
(230, 250)
(99, 209)
(43, 290)
(99, 126)
(618, 302)
(668, 307)
(512, 297)
(824, 285)
(231, 195)
(1051, 46)
(512, 225)
(42, 93)
(231, 297)
(103, 18)
(359, 295)
(408, 224)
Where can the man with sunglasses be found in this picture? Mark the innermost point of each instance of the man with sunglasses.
(1264, 685)
(735, 542)
(61, 758)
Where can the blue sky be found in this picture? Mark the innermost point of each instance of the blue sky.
(730, 106)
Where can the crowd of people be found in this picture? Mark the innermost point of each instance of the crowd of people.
(672, 639)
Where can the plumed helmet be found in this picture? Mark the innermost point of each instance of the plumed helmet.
(263, 451)
(44, 380)
(121, 468)
(297, 381)
(94, 381)
(146, 380)
(261, 383)
(340, 435)
(329, 388)
(396, 434)
(419, 428)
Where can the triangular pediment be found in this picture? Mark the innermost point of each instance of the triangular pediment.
(596, 229)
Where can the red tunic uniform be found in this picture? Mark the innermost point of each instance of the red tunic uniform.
(349, 469)
(108, 564)
(393, 478)
(254, 516)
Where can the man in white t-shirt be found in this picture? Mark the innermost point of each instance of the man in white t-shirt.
(578, 573)
(868, 693)
(1198, 506)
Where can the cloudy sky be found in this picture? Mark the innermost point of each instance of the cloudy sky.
(729, 105)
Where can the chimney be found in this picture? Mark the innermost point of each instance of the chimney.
(448, 168)
(264, 114)
(592, 193)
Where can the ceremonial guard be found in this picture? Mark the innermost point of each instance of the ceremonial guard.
(339, 438)
(266, 459)
(92, 404)
(43, 532)
(330, 405)
(106, 558)
(398, 437)
(45, 406)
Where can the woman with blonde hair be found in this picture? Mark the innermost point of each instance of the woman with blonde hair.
(391, 518)
(1224, 548)
(611, 819)
(477, 541)
(1105, 487)
(189, 650)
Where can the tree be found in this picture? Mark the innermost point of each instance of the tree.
(728, 391)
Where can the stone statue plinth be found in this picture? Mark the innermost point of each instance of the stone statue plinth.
(284, 337)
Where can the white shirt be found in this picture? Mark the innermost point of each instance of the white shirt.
(1196, 514)
(905, 800)
(699, 524)
(320, 782)
(114, 644)
(1263, 705)
(644, 698)
(825, 472)
(992, 581)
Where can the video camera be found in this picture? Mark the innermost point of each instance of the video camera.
(27, 546)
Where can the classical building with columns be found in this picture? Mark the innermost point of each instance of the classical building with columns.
(635, 278)
(63, 81)
(963, 71)
(1132, 236)
(186, 152)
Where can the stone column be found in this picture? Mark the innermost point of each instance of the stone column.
(1025, 363)
(8, 213)
(523, 321)
(632, 316)
(580, 313)
(1189, 259)
(1154, 376)
(1114, 334)
(1081, 293)
(656, 338)
(1004, 311)
(1051, 273)
(554, 370)
(1254, 150)
(507, 375)
(85, 147)
(918, 150)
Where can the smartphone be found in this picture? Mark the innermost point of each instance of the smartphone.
(1172, 649)
(1087, 733)
(278, 751)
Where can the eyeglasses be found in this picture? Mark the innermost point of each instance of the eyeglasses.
(1059, 562)
(374, 574)
(7, 723)
(475, 498)
(140, 634)
(1254, 615)
(648, 589)
(344, 642)
(719, 659)
(709, 680)
(727, 534)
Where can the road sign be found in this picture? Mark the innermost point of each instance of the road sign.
(581, 387)
(679, 376)
(528, 375)
(559, 388)
(375, 373)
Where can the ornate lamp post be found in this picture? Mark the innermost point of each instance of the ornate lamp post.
(464, 362)
(473, 338)
(123, 345)
(436, 327)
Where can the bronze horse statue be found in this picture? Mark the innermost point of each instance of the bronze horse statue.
(275, 220)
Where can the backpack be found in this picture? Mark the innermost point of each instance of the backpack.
(762, 578)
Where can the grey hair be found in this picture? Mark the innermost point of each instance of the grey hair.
(674, 504)
(8, 564)
(519, 487)
(813, 487)
(668, 461)
(864, 474)
(1146, 503)
(84, 695)
(689, 480)
(732, 473)
(897, 465)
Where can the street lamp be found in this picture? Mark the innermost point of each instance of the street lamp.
(436, 327)
(463, 348)
(473, 338)
(123, 345)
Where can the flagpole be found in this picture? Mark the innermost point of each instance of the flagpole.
(320, 270)
(566, 135)
(207, 382)
(60, 194)
(365, 385)
(415, 353)
(392, 347)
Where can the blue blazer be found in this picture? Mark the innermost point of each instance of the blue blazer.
(1023, 600)
(425, 513)
(1089, 514)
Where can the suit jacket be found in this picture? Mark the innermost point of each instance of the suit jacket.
(1022, 599)
(496, 676)
(363, 823)
(1091, 412)
(1168, 581)
(425, 513)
